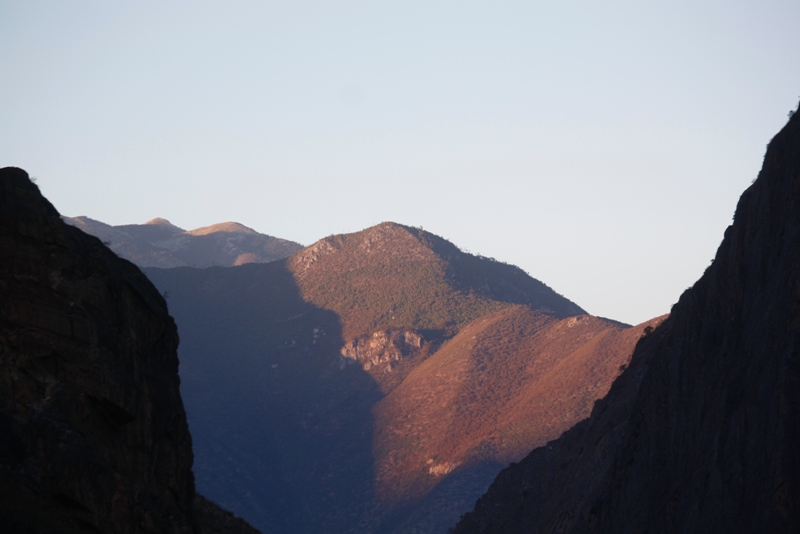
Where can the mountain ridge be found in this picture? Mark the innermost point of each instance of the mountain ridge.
(386, 259)
(327, 355)
(159, 243)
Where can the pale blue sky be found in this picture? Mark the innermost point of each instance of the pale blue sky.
(600, 146)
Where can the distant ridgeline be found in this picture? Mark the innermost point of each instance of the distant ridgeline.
(159, 243)
(702, 432)
(377, 381)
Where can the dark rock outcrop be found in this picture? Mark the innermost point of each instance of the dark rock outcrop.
(702, 432)
(93, 434)
(211, 519)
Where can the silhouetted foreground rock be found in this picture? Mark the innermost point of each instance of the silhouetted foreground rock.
(702, 432)
(93, 434)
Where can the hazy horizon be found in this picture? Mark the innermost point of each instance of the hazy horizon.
(600, 147)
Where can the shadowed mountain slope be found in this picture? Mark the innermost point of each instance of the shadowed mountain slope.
(377, 381)
(281, 430)
(702, 432)
(159, 243)
(93, 434)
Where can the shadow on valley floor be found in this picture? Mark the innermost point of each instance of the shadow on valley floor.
(282, 430)
(440, 509)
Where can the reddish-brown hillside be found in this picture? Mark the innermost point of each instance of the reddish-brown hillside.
(400, 291)
(377, 381)
(508, 381)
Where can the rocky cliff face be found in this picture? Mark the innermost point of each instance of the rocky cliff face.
(383, 349)
(93, 434)
(702, 432)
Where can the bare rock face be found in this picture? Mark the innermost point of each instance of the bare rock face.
(702, 432)
(383, 349)
(93, 433)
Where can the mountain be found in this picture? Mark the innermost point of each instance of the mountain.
(398, 275)
(377, 381)
(93, 433)
(159, 243)
(702, 432)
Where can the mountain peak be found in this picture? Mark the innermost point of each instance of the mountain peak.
(162, 222)
(384, 242)
(226, 227)
(390, 226)
(390, 275)
(392, 238)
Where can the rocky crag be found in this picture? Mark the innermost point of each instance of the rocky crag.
(702, 432)
(93, 434)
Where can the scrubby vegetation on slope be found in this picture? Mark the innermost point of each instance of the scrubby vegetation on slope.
(392, 276)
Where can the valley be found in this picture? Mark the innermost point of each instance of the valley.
(380, 381)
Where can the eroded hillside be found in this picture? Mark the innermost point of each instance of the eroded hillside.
(378, 381)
